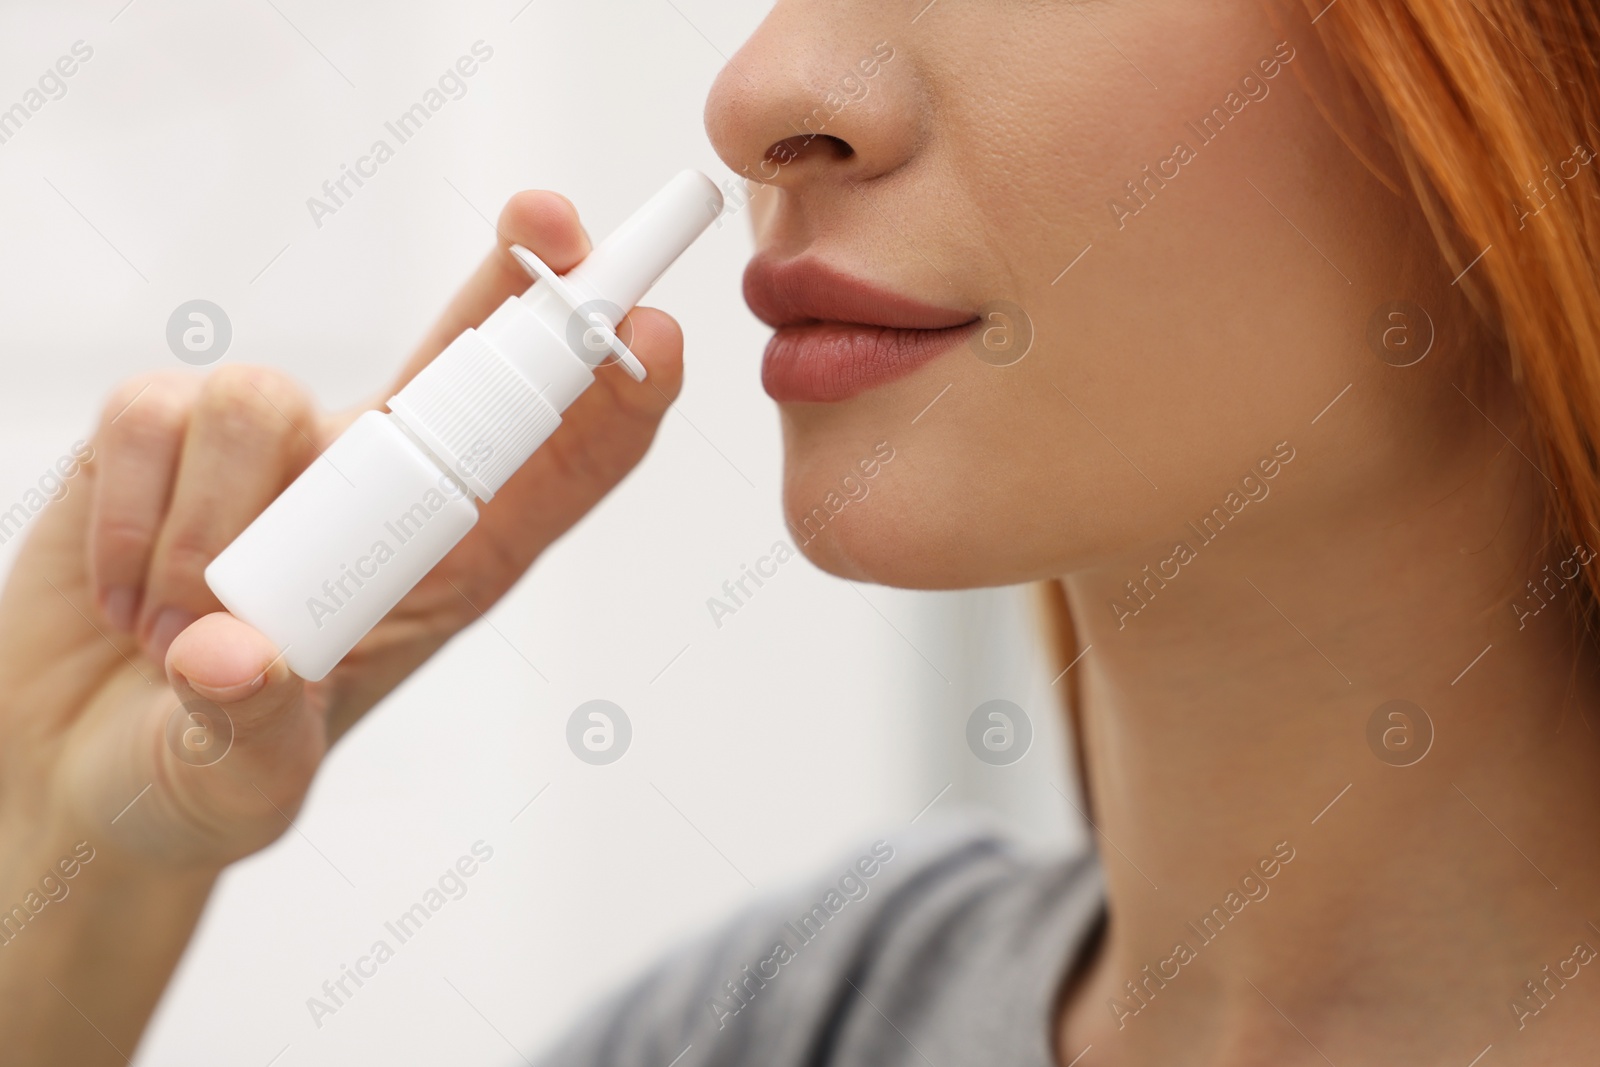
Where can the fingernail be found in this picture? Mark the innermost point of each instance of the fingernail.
(119, 605)
(229, 694)
(169, 624)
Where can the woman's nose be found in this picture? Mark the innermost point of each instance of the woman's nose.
(798, 106)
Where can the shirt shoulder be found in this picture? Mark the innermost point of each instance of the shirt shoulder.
(927, 929)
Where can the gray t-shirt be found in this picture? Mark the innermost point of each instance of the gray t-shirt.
(944, 948)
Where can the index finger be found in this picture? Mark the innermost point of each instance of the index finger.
(544, 222)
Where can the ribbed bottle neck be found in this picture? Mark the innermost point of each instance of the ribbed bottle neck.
(475, 413)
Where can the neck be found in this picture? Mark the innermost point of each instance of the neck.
(1299, 870)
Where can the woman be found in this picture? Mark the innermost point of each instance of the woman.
(1268, 336)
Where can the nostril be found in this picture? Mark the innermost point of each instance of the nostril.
(791, 96)
(820, 144)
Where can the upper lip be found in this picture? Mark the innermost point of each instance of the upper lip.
(798, 292)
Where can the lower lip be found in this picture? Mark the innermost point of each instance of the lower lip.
(829, 361)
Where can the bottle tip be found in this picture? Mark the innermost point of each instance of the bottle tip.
(626, 264)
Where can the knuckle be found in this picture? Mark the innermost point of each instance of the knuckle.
(252, 402)
(119, 538)
(186, 552)
(230, 387)
(154, 404)
(581, 462)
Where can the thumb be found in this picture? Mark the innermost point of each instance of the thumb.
(245, 742)
(224, 661)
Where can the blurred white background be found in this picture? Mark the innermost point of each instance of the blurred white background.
(177, 166)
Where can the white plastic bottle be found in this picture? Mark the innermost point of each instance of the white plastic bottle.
(396, 491)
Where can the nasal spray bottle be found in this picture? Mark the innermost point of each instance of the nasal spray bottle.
(397, 490)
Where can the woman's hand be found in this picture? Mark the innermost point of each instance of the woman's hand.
(109, 636)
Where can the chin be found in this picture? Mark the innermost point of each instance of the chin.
(870, 544)
(889, 527)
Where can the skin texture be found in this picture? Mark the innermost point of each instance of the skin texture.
(1224, 710)
(1225, 706)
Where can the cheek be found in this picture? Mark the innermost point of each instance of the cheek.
(1212, 317)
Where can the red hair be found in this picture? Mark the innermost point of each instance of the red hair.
(1487, 104)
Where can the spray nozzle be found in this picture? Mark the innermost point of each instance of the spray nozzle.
(496, 392)
(599, 292)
